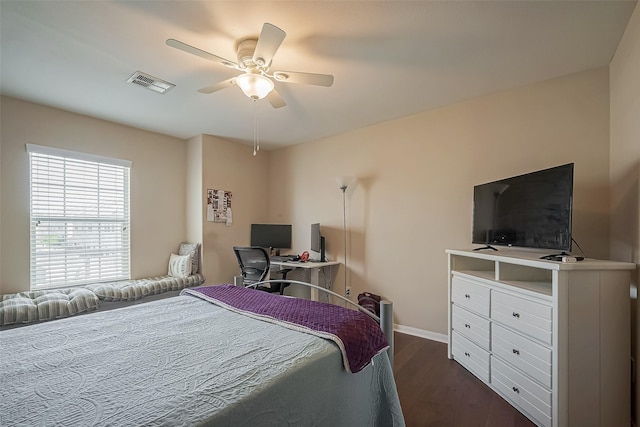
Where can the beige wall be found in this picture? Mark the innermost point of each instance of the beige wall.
(625, 163)
(232, 167)
(158, 181)
(413, 198)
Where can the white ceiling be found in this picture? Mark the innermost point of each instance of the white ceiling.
(390, 58)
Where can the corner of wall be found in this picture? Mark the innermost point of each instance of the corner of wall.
(230, 166)
(194, 199)
(624, 88)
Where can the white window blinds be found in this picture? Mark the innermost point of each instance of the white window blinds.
(79, 218)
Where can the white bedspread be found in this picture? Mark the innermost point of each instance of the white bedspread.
(183, 361)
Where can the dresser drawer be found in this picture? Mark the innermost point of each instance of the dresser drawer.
(531, 358)
(472, 326)
(524, 392)
(470, 295)
(471, 356)
(524, 315)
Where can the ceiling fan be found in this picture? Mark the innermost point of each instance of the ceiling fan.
(254, 60)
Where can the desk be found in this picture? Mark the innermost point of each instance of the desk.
(314, 268)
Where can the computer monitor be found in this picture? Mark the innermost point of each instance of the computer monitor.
(272, 236)
(317, 242)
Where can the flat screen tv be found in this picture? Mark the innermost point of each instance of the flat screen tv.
(530, 211)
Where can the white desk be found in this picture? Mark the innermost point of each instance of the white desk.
(314, 268)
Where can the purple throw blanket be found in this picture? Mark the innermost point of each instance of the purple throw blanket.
(358, 335)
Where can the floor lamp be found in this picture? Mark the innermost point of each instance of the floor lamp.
(343, 183)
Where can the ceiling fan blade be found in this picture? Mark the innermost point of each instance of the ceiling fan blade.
(275, 99)
(201, 53)
(218, 86)
(268, 43)
(304, 78)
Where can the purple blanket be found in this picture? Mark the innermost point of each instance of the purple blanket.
(358, 336)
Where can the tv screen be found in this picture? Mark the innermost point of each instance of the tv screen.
(276, 236)
(531, 210)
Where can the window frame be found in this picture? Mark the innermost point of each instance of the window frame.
(81, 202)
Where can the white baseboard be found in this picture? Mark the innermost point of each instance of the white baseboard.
(433, 336)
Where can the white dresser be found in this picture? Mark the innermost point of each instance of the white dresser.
(552, 338)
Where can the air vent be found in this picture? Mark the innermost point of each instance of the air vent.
(152, 83)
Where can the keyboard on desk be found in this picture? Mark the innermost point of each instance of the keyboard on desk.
(283, 258)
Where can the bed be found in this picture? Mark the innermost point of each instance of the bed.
(187, 361)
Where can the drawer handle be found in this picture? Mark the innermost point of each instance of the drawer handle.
(516, 315)
(516, 389)
(466, 325)
(467, 354)
(467, 296)
(516, 352)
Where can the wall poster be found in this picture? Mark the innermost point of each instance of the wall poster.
(219, 206)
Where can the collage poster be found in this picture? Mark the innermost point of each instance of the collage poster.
(219, 206)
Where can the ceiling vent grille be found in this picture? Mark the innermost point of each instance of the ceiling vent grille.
(148, 81)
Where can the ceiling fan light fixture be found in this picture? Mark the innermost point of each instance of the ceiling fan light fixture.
(255, 86)
(254, 60)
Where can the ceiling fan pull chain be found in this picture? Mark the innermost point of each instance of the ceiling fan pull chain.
(256, 135)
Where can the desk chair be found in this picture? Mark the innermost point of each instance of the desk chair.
(255, 267)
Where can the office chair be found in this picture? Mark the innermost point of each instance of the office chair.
(255, 267)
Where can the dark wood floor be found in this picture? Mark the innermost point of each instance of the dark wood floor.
(438, 392)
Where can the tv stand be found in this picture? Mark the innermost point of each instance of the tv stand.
(487, 246)
(556, 331)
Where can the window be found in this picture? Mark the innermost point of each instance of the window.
(79, 218)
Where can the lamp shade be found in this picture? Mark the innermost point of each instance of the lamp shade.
(255, 86)
(344, 181)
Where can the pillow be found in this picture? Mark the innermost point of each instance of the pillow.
(180, 266)
(193, 250)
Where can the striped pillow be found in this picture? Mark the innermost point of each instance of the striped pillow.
(180, 266)
(193, 250)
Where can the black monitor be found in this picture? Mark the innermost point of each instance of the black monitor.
(272, 236)
(317, 242)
